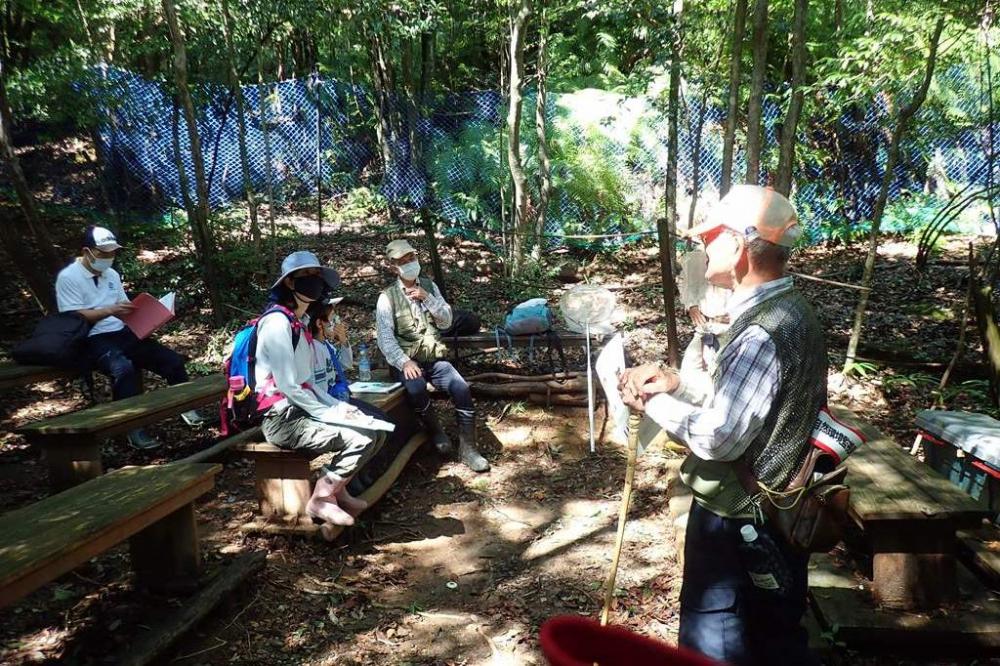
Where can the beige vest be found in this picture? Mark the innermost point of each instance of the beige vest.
(417, 336)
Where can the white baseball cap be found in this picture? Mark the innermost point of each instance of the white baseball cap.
(305, 259)
(752, 209)
(101, 238)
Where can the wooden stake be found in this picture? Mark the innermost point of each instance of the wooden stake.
(633, 445)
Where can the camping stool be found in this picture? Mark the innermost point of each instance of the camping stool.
(570, 640)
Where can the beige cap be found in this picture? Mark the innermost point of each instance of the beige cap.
(752, 209)
(399, 248)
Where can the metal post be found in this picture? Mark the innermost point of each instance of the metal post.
(590, 391)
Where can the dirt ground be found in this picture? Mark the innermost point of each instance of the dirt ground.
(453, 567)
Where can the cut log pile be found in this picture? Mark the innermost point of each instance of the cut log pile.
(568, 389)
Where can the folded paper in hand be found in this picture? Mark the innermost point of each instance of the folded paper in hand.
(149, 314)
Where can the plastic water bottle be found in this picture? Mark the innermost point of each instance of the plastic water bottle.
(763, 561)
(364, 363)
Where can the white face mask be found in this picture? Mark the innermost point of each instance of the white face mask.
(410, 271)
(99, 265)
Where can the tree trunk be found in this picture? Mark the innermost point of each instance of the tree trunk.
(668, 227)
(735, 65)
(200, 230)
(903, 120)
(25, 198)
(237, 88)
(263, 99)
(756, 105)
(518, 24)
(544, 163)
(427, 222)
(786, 159)
(986, 323)
(698, 138)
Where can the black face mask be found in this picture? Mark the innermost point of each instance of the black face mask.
(309, 287)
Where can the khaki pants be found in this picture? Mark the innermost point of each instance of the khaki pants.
(295, 429)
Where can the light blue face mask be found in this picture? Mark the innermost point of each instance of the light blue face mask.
(98, 264)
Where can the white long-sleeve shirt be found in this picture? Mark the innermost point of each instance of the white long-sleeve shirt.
(749, 376)
(385, 322)
(281, 369)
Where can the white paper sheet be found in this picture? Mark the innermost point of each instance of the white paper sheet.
(610, 363)
(168, 301)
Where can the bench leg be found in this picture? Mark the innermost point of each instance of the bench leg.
(914, 564)
(72, 461)
(284, 488)
(165, 555)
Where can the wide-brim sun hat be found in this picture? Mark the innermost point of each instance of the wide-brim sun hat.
(297, 261)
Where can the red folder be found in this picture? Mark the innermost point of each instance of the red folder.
(149, 315)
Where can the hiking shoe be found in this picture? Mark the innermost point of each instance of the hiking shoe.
(194, 418)
(138, 439)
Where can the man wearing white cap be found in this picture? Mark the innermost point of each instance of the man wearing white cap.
(93, 289)
(409, 317)
(768, 389)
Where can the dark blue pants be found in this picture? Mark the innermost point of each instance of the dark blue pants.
(122, 356)
(727, 617)
(444, 377)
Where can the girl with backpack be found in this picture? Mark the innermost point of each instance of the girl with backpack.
(298, 414)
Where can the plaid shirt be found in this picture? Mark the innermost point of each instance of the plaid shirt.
(749, 373)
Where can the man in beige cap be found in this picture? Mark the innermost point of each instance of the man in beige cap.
(744, 589)
(409, 316)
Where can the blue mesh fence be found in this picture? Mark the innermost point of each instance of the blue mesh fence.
(608, 152)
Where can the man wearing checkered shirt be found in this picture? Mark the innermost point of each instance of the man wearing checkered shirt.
(744, 589)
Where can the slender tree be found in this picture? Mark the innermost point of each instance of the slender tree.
(241, 124)
(25, 197)
(518, 25)
(544, 162)
(903, 118)
(756, 104)
(668, 224)
(786, 150)
(735, 69)
(201, 232)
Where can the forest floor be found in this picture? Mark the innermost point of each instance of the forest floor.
(451, 567)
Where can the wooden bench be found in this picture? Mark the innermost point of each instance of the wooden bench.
(283, 478)
(910, 514)
(72, 442)
(152, 507)
(489, 340)
(14, 375)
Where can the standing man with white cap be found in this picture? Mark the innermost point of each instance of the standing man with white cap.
(409, 317)
(92, 288)
(768, 389)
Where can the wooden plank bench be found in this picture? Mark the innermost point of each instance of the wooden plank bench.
(489, 340)
(72, 442)
(911, 515)
(14, 375)
(152, 507)
(283, 478)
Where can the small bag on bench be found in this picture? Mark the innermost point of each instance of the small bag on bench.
(811, 511)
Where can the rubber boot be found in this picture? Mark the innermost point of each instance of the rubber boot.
(434, 430)
(323, 503)
(467, 448)
(349, 503)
